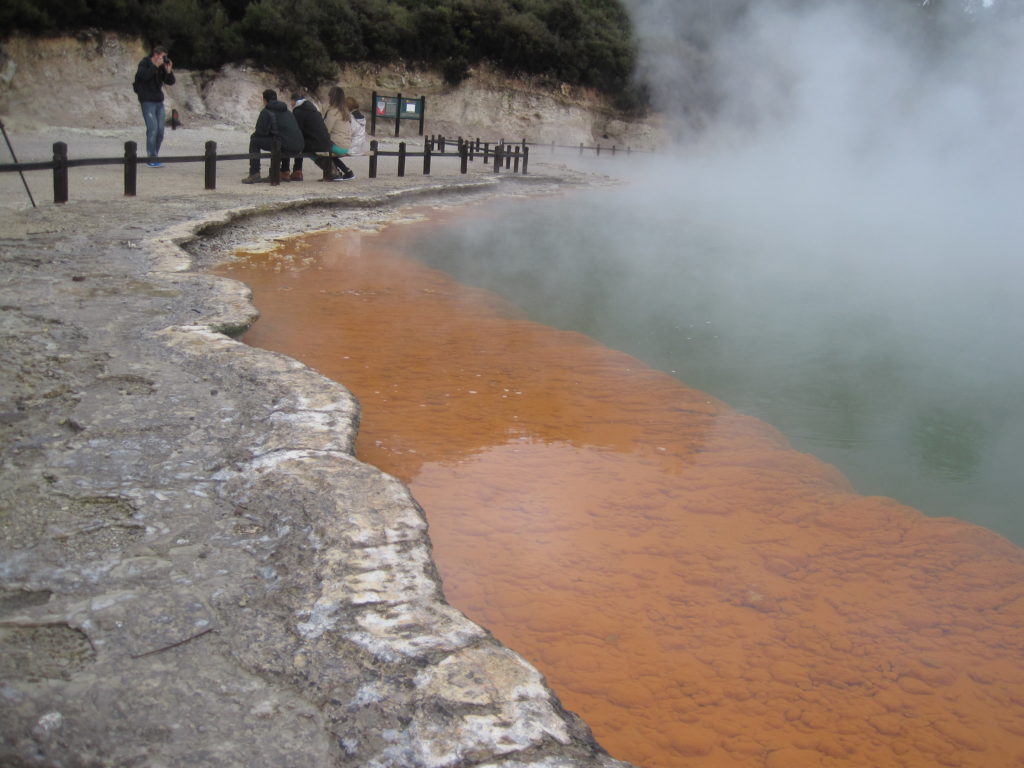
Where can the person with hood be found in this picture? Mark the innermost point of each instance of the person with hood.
(358, 121)
(154, 72)
(315, 135)
(275, 121)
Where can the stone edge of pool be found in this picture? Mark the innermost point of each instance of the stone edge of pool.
(195, 568)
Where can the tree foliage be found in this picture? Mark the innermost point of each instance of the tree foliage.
(585, 42)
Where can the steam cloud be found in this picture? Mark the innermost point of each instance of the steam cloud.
(913, 112)
(872, 155)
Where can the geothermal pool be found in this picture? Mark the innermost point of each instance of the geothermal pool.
(700, 592)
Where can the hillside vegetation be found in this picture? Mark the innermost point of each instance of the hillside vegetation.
(584, 42)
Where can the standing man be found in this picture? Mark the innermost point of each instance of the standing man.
(274, 121)
(153, 74)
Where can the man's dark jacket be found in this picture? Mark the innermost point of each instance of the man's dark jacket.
(276, 120)
(150, 80)
(314, 130)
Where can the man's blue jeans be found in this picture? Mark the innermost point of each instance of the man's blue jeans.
(153, 114)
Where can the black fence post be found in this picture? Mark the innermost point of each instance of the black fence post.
(131, 155)
(507, 149)
(275, 161)
(401, 158)
(373, 113)
(398, 115)
(442, 143)
(515, 161)
(526, 158)
(423, 112)
(497, 158)
(60, 172)
(373, 159)
(426, 159)
(211, 165)
(464, 152)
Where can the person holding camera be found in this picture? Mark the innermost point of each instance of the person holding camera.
(154, 72)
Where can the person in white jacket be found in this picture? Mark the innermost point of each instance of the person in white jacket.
(339, 125)
(358, 144)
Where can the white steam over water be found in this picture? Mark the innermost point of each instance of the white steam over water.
(884, 121)
(836, 245)
(871, 153)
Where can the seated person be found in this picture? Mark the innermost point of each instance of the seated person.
(274, 121)
(339, 124)
(358, 122)
(316, 138)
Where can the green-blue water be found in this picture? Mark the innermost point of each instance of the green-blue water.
(897, 358)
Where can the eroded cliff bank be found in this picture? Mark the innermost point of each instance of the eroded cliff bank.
(86, 82)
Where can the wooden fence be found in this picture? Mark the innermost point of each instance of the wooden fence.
(498, 154)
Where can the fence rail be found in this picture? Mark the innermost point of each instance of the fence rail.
(597, 149)
(499, 154)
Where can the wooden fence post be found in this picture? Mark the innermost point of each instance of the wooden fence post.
(464, 152)
(373, 159)
(398, 114)
(60, 172)
(275, 161)
(515, 161)
(426, 159)
(401, 158)
(211, 165)
(526, 158)
(130, 168)
(497, 158)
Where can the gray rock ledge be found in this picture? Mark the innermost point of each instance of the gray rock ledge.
(194, 569)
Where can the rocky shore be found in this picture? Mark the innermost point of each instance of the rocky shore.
(194, 567)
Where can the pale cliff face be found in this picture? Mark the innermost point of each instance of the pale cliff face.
(87, 84)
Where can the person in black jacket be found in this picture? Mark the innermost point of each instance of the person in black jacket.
(153, 74)
(274, 121)
(316, 137)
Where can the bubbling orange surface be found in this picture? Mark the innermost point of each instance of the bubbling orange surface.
(702, 594)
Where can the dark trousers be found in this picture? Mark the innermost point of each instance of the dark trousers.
(321, 162)
(265, 144)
